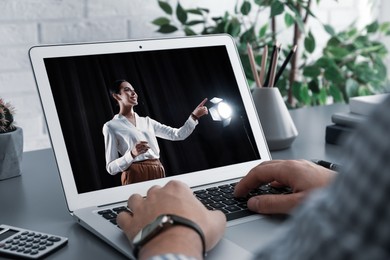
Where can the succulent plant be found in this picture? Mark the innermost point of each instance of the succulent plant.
(6, 117)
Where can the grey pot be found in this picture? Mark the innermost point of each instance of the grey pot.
(278, 126)
(11, 153)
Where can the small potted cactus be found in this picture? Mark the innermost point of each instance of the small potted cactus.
(11, 143)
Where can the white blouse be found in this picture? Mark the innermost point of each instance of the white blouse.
(121, 136)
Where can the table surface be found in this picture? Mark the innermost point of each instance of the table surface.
(35, 199)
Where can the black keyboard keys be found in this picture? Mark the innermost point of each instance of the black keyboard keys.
(221, 198)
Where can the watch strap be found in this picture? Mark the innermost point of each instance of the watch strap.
(170, 220)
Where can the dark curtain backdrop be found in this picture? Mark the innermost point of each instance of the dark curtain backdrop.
(169, 84)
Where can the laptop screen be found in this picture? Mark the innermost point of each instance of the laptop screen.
(171, 76)
(169, 84)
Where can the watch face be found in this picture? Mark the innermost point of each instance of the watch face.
(150, 230)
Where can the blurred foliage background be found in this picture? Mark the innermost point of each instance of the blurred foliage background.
(350, 64)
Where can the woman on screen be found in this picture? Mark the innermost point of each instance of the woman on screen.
(130, 140)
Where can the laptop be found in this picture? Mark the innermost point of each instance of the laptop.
(171, 77)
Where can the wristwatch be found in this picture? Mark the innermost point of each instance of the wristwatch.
(159, 225)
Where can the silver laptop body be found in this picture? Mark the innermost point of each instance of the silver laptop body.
(176, 73)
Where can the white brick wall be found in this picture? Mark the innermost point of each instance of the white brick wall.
(24, 23)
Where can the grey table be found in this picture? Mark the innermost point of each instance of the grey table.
(35, 200)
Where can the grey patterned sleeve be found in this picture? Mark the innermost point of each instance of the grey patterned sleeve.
(350, 218)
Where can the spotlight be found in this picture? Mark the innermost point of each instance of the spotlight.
(221, 111)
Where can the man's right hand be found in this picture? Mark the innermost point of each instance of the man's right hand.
(300, 175)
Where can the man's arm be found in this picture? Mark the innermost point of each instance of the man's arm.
(174, 198)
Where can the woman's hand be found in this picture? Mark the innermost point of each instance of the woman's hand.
(200, 110)
(300, 175)
(140, 148)
(174, 198)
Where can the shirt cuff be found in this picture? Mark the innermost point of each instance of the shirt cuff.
(128, 159)
(192, 121)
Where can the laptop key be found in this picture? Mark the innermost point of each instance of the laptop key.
(109, 216)
(239, 214)
(233, 208)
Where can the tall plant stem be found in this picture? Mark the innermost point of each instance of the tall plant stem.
(294, 59)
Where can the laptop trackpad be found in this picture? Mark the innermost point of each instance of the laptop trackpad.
(255, 233)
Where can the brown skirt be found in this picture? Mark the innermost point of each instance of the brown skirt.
(143, 171)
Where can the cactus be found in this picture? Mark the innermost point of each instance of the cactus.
(6, 117)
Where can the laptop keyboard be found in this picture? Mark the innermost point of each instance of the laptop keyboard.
(216, 198)
(221, 198)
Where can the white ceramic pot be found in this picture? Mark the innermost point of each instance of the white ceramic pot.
(278, 126)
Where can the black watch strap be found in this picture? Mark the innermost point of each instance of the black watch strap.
(162, 223)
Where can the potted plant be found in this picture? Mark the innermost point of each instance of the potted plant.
(351, 63)
(11, 143)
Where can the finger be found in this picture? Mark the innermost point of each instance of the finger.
(202, 103)
(124, 220)
(274, 204)
(152, 189)
(134, 202)
(177, 185)
(142, 143)
(263, 173)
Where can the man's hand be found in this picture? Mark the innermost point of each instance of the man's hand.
(300, 175)
(174, 198)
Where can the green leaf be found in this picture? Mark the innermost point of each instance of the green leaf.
(195, 11)
(323, 96)
(329, 29)
(263, 30)
(188, 31)
(380, 68)
(310, 42)
(233, 27)
(165, 7)
(288, 20)
(311, 71)
(301, 92)
(314, 86)
(385, 27)
(325, 62)
(276, 8)
(194, 22)
(245, 7)
(351, 87)
(160, 21)
(336, 93)
(364, 72)
(181, 13)
(373, 27)
(248, 35)
(333, 74)
(334, 41)
(167, 28)
(364, 91)
(336, 53)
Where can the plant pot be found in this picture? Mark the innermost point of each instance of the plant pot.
(11, 152)
(278, 126)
